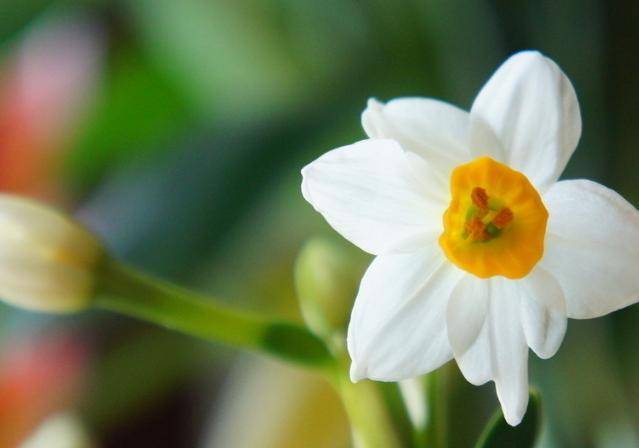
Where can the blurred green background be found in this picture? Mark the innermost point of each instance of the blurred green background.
(177, 129)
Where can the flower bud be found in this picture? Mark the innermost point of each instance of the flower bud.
(327, 276)
(47, 260)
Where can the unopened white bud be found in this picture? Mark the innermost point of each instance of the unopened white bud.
(48, 261)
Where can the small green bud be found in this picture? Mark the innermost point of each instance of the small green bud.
(48, 261)
(327, 276)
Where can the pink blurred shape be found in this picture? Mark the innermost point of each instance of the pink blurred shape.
(46, 84)
(38, 376)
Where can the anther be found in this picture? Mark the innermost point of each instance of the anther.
(480, 198)
(504, 217)
(476, 230)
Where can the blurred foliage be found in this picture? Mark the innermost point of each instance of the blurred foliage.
(16, 15)
(187, 164)
(135, 374)
(139, 110)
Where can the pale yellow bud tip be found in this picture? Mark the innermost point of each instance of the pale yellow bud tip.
(48, 261)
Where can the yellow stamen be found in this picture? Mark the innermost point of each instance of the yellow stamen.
(496, 221)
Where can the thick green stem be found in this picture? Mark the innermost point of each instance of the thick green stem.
(125, 291)
(370, 421)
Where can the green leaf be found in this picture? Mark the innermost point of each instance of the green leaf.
(499, 434)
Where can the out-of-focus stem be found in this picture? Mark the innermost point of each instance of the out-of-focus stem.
(437, 412)
(123, 290)
(371, 424)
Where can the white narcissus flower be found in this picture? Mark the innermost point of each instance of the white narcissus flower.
(480, 251)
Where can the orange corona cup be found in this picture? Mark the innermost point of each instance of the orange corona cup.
(496, 221)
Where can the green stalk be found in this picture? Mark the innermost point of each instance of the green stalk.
(125, 291)
(369, 417)
(437, 421)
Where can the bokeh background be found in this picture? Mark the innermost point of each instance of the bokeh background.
(176, 130)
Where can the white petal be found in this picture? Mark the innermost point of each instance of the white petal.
(398, 324)
(484, 141)
(532, 107)
(592, 247)
(475, 363)
(543, 312)
(435, 130)
(378, 196)
(465, 317)
(510, 352)
(499, 351)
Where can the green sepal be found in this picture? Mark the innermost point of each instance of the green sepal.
(294, 343)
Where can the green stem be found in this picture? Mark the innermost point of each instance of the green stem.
(437, 421)
(370, 421)
(128, 292)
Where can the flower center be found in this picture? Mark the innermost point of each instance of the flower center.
(496, 221)
(485, 219)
